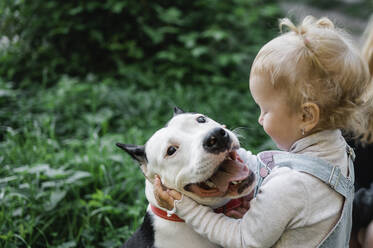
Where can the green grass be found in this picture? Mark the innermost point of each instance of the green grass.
(63, 182)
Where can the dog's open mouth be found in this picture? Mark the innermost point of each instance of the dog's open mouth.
(231, 178)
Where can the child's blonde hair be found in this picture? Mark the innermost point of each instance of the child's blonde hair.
(316, 62)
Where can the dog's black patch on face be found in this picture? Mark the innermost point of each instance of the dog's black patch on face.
(144, 235)
(216, 141)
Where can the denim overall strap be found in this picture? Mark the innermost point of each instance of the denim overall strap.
(331, 175)
(339, 236)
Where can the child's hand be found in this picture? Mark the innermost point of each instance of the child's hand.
(239, 212)
(164, 196)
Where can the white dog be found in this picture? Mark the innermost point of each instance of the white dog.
(198, 157)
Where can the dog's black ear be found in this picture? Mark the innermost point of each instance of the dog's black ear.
(136, 152)
(178, 111)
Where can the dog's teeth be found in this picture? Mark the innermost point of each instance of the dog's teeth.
(236, 182)
(232, 155)
(210, 184)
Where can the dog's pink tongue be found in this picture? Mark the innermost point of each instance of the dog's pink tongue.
(229, 170)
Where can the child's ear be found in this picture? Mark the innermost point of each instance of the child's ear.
(310, 116)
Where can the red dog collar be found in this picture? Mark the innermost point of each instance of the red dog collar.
(163, 214)
(232, 204)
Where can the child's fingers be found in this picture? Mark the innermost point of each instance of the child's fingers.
(242, 210)
(157, 180)
(246, 200)
(246, 204)
(164, 197)
(239, 159)
(174, 194)
(234, 214)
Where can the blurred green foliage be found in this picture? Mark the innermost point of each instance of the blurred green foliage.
(143, 42)
(62, 180)
(77, 77)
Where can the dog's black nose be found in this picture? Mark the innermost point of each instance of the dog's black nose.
(217, 140)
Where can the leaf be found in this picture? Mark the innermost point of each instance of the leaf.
(154, 34)
(117, 158)
(17, 212)
(76, 10)
(21, 169)
(166, 55)
(216, 34)
(198, 51)
(102, 209)
(4, 93)
(38, 168)
(56, 173)
(54, 199)
(68, 244)
(77, 176)
(189, 39)
(7, 179)
(170, 15)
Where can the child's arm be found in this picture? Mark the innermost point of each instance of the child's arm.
(275, 208)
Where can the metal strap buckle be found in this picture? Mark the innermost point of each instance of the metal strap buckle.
(350, 152)
(333, 186)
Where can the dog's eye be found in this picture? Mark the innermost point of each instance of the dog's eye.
(171, 150)
(201, 119)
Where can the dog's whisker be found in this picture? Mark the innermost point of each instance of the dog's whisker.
(238, 132)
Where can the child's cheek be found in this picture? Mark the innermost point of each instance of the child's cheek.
(266, 128)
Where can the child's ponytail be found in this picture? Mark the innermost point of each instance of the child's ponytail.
(301, 31)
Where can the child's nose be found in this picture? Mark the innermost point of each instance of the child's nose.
(260, 120)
